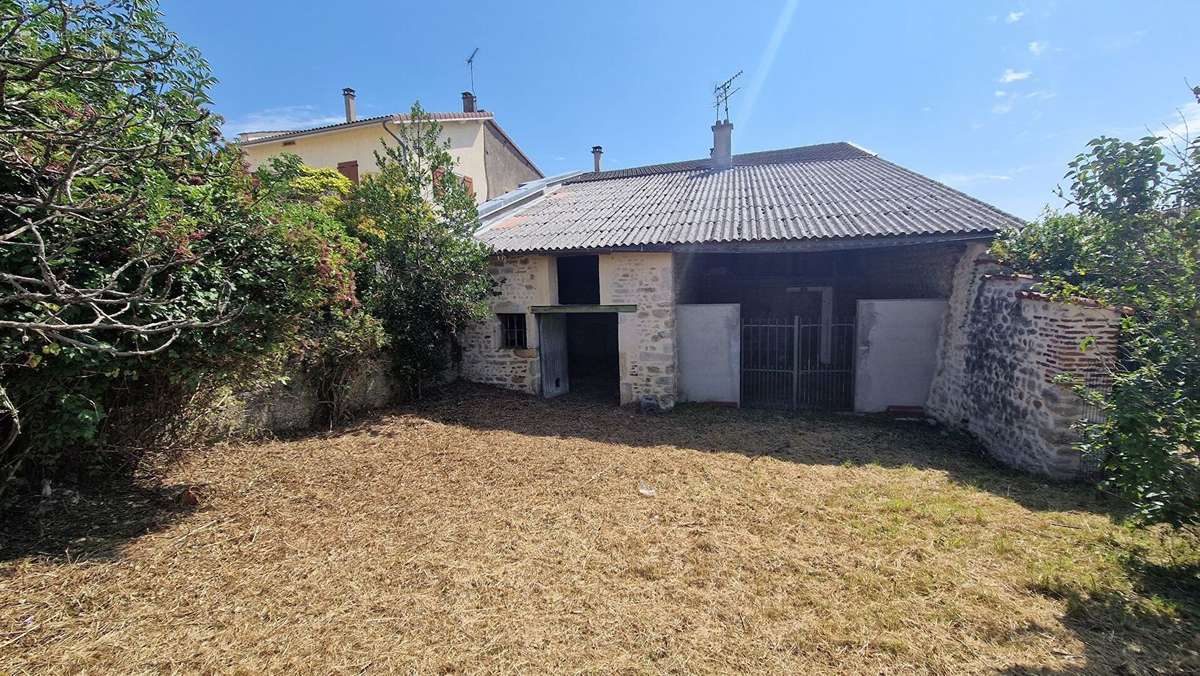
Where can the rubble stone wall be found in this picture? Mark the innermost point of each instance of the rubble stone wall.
(1003, 350)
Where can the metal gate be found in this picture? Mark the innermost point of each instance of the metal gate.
(792, 365)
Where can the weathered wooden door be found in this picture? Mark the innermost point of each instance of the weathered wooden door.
(552, 332)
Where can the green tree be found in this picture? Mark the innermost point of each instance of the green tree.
(337, 341)
(424, 276)
(1134, 240)
(137, 267)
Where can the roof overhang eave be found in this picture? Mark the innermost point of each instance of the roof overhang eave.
(769, 246)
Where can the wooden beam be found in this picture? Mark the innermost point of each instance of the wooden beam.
(572, 309)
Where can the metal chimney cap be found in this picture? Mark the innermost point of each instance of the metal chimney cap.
(597, 149)
(347, 92)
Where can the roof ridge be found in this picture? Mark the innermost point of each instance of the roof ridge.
(817, 152)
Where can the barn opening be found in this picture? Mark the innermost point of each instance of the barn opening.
(799, 313)
(579, 280)
(579, 351)
(592, 356)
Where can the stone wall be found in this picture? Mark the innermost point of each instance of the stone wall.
(1002, 349)
(523, 281)
(293, 404)
(646, 338)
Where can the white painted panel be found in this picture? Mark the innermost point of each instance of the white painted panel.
(897, 352)
(709, 358)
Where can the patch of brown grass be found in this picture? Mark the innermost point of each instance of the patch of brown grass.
(489, 531)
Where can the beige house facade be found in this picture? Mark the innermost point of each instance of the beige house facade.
(484, 155)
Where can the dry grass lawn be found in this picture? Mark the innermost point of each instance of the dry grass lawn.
(486, 531)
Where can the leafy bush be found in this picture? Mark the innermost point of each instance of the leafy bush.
(335, 343)
(424, 276)
(1135, 241)
(139, 268)
(143, 271)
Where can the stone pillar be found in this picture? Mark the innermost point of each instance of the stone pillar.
(646, 338)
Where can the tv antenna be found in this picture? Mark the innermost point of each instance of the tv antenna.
(721, 94)
(471, 67)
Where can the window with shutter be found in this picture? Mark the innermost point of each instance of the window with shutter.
(349, 170)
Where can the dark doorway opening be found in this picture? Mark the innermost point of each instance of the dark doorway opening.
(592, 355)
(578, 280)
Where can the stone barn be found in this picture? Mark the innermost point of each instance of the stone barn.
(810, 277)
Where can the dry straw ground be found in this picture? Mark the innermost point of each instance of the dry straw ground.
(485, 531)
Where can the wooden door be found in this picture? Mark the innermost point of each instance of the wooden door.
(552, 334)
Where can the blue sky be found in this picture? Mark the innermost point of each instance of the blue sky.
(993, 98)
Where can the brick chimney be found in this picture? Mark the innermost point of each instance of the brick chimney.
(468, 102)
(722, 149)
(597, 151)
(348, 97)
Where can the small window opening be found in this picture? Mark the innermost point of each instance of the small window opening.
(579, 280)
(512, 330)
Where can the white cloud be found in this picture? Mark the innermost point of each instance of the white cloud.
(1037, 48)
(1117, 42)
(1000, 93)
(1185, 124)
(926, 109)
(1002, 107)
(1041, 95)
(962, 180)
(1011, 75)
(1013, 17)
(282, 118)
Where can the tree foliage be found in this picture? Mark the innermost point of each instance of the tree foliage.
(140, 265)
(333, 344)
(1134, 240)
(424, 276)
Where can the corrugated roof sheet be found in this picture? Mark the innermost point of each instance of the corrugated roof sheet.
(833, 190)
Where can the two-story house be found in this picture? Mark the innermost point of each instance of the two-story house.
(486, 158)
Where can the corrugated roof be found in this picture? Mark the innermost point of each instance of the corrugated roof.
(828, 191)
(522, 193)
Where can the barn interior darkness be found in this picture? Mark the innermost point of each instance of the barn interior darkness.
(787, 284)
(592, 356)
(578, 280)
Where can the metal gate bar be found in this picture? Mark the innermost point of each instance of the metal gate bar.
(792, 365)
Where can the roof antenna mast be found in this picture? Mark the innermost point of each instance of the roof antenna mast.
(471, 67)
(721, 94)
